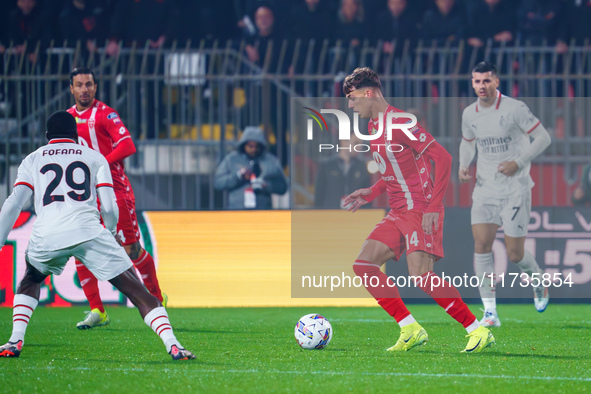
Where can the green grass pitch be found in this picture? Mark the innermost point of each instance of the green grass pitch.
(254, 350)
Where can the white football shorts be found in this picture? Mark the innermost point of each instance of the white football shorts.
(102, 255)
(512, 213)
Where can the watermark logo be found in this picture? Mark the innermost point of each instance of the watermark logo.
(344, 123)
(315, 115)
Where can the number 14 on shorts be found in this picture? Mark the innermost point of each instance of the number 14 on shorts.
(414, 240)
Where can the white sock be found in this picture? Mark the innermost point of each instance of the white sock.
(24, 306)
(157, 320)
(484, 266)
(473, 326)
(406, 321)
(529, 265)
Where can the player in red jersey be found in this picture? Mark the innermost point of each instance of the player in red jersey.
(415, 221)
(101, 128)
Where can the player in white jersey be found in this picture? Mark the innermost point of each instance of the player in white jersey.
(499, 128)
(64, 179)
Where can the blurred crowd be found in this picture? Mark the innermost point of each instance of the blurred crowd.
(106, 23)
(28, 27)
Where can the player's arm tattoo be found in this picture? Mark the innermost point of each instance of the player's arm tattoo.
(135, 251)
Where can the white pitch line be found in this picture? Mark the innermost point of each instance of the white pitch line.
(336, 373)
(553, 235)
(440, 321)
(362, 320)
(548, 321)
(426, 375)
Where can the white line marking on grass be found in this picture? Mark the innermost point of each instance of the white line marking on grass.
(363, 320)
(334, 373)
(452, 323)
(563, 323)
(425, 375)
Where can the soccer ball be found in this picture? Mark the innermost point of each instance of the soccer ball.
(313, 332)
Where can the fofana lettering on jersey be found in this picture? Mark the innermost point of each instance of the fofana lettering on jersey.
(51, 152)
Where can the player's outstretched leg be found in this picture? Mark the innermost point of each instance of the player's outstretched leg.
(25, 302)
(152, 312)
(541, 298)
(529, 265)
(387, 295)
(411, 336)
(490, 319)
(484, 268)
(480, 339)
(22, 311)
(97, 317)
(448, 297)
(144, 263)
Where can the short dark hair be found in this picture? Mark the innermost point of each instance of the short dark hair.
(81, 70)
(362, 77)
(484, 67)
(61, 124)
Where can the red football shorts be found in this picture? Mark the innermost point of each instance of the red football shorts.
(404, 232)
(127, 226)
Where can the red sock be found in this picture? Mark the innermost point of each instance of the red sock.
(90, 287)
(447, 296)
(145, 265)
(386, 293)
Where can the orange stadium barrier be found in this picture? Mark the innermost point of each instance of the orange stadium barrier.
(204, 259)
(236, 258)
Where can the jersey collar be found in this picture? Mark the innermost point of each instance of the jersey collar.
(62, 141)
(496, 104)
(83, 111)
(375, 121)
